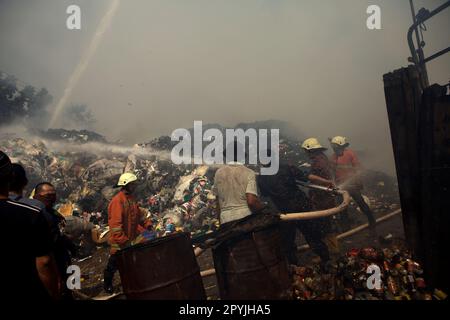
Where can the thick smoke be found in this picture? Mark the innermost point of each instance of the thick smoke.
(79, 116)
(163, 64)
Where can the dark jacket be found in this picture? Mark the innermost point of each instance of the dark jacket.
(282, 189)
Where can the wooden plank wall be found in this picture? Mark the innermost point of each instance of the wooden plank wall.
(403, 94)
(434, 160)
(420, 131)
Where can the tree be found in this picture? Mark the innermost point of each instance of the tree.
(26, 106)
(8, 91)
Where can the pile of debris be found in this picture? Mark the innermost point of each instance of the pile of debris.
(348, 278)
(161, 143)
(78, 136)
(176, 197)
(84, 167)
(194, 207)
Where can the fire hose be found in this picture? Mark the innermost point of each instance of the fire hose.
(321, 213)
(314, 215)
(310, 214)
(210, 272)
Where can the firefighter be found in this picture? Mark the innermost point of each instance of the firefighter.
(347, 174)
(282, 189)
(125, 221)
(322, 200)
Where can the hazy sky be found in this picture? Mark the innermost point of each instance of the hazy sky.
(312, 63)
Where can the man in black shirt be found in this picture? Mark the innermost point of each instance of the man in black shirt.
(288, 198)
(27, 269)
(63, 247)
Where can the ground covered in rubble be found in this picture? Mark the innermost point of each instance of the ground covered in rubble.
(345, 278)
(390, 230)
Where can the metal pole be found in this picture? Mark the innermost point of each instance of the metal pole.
(421, 62)
(413, 12)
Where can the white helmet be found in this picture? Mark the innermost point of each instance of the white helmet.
(312, 144)
(340, 141)
(126, 178)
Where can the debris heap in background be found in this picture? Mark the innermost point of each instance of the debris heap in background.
(84, 167)
(195, 208)
(347, 278)
(176, 197)
(79, 136)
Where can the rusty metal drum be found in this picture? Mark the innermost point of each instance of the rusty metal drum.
(161, 269)
(253, 266)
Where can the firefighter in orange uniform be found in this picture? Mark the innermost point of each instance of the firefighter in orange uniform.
(347, 174)
(125, 222)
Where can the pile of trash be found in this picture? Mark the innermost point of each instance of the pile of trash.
(194, 207)
(84, 167)
(349, 277)
(175, 197)
(161, 143)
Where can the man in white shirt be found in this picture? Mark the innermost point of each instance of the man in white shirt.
(236, 189)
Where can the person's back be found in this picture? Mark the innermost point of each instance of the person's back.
(282, 189)
(28, 268)
(26, 237)
(231, 184)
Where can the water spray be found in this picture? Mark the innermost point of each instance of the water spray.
(86, 58)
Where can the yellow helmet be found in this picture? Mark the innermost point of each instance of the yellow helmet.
(125, 179)
(340, 141)
(311, 144)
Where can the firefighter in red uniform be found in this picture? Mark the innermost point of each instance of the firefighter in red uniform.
(125, 222)
(322, 200)
(347, 174)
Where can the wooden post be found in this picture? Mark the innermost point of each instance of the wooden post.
(434, 159)
(403, 93)
(420, 133)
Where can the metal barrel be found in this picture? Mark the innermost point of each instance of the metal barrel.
(253, 266)
(161, 269)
